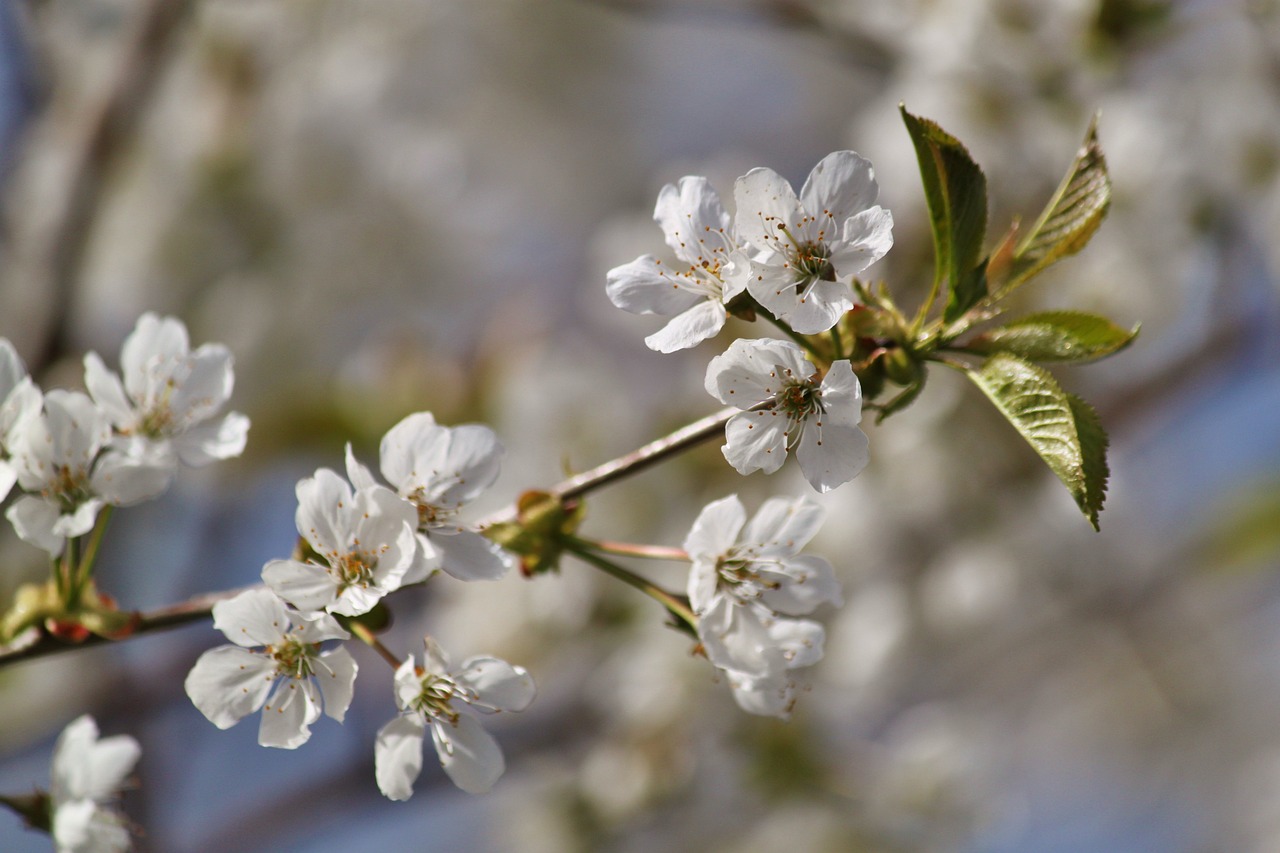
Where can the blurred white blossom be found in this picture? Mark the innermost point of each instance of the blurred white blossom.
(87, 776)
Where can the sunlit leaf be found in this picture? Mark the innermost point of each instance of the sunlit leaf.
(1056, 336)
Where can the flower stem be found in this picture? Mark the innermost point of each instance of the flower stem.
(837, 351)
(85, 572)
(371, 640)
(804, 342)
(674, 603)
(627, 549)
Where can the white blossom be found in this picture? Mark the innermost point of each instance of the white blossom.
(167, 406)
(362, 544)
(787, 407)
(274, 647)
(745, 586)
(807, 249)
(62, 458)
(695, 290)
(439, 470)
(20, 402)
(87, 776)
(446, 701)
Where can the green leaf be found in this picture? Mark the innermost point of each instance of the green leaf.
(1056, 336)
(1063, 429)
(956, 192)
(1072, 215)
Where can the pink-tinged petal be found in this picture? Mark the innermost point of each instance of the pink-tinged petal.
(816, 311)
(498, 685)
(797, 585)
(306, 586)
(33, 520)
(735, 637)
(123, 479)
(866, 238)
(771, 696)
(206, 387)
(799, 639)
(336, 676)
(324, 512)
(84, 766)
(468, 754)
(253, 618)
(228, 683)
(224, 438)
(716, 529)
(152, 339)
(358, 473)
(397, 756)
(648, 286)
(699, 323)
(840, 186)
(693, 221)
(782, 526)
(766, 204)
(753, 371)
(288, 714)
(468, 556)
(703, 582)
(756, 441)
(108, 392)
(411, 450)
(831, 455)
(841, 395)
(471, 462)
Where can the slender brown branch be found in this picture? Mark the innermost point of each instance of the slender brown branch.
(371, 640)
(646, 552)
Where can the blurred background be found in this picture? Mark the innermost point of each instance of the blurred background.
(390, 206)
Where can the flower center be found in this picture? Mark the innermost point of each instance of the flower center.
(800, 399)
(436, 696)
(69, 487)
(810, 260)
(355, 568)
(293, 658)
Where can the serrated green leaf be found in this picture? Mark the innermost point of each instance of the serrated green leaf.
(956, 192)
(1056, 336)
(1071, 216)
(1061, 428)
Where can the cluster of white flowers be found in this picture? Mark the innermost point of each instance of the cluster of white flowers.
(794, 256)
(73, 454)
(360, 540)
(87, 775)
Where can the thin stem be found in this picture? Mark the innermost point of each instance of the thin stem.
(669, 600)
(85, 571)
(628, 549)
(795, 336)
(371, 640)
(837, 351)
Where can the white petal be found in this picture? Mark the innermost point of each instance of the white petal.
(355, 600)
(841, 395)
(79, 521)
(498, 684)
(866, 239)
(228, 683)
(324, 512)
(359, 474)
(648, 286)
(397, 756)
(123, 479)
(8, 476)
(318, 627)
(816, 311)
(19, 408)
(84, 826)
(691, 328)
(716, 529)
(288, 715)
(783, 526)
(77, 428)
(408, 684)
(306, 586)
(152, 338)
(468, 754)
(336, 675)
(735, 637)
(33, 520)
(414, 440)
(472, 459)
(831, 455)
(12, 370)
(753, 371)
(841, 185)
(771, 696)
(468, 556)
(765, 204)
(799, 639)
(84, 766)
(704, 579)
(108, 392)
(756, 441)
(206, 387)
(798, 585)
(255, 617)
(426, 560)
(224, 438)
(692, 219)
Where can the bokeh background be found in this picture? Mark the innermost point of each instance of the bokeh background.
(396, 205)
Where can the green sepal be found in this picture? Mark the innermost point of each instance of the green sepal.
(536, 536)
(1068, 220)
(1060, 427)
(1055, 336)
(41, 606)
(956, 192)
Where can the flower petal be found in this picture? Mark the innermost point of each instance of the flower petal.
(799, 639)
(224, 438)
(307, 586)
(255, 617)
(152, 339)
(840, 186)
(33, 520)
(498, 684)
(228, 683)
(468, 754)
(468, 556)
(716, 529)
(735, 637)
(108, 392)
(288, 714)
(692, 219)
(397, 756)
(336, 675)
(701, 322)
(753, 371)
(648, 286)
(84, 766)
(782, 526)
(324, 512)
(756, 441)
(765, 203)
(831, 455)
(797, 585)
(770, 696)
(866, 239)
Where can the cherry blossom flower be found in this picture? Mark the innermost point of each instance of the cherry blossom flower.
(274, 647)
(747, 580)
(699, 231)
(787, 407)
(439, 470)
(808, 249)
(447, 700)
(20, 402)
(362, 543)
(167, 406)
(87, 776)
(59, 457)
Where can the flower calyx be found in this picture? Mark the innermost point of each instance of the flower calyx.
(543, 521)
